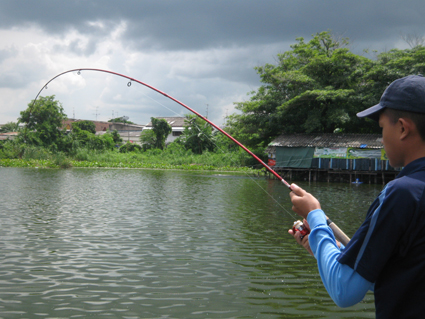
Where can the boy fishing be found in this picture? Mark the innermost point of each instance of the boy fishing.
(387, 253)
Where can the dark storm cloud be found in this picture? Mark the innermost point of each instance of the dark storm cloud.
(201, 52)
(195, 24)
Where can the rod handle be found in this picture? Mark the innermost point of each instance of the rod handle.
(339, 234)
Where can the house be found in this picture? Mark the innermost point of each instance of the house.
(177, 126)
(128, 132)
(101, 126)
(324, 155)
(8, 136)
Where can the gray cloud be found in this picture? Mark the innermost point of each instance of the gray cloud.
(194, 24)
(201, 52)
(7, 53)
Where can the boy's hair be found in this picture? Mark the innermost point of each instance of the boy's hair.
(417, 118)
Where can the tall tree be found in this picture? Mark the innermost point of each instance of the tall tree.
(148, 139)
(311, 89)
(318, 87)
(161, 129)
(388, 67)
(43, 121)
(197, 135)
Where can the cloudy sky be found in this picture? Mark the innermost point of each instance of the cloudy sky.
(202, 53)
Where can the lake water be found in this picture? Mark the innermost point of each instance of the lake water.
(121, 243)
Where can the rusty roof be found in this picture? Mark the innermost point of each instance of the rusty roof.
(328, 140)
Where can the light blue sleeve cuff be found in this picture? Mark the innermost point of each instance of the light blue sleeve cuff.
(316, 217)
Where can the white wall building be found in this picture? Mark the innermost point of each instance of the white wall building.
(177, 126)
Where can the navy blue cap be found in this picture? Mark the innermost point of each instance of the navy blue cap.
(405, 94)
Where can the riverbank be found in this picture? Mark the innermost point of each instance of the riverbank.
(49, 163)
(173, 157)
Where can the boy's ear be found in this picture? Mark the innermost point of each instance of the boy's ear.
(406, 127)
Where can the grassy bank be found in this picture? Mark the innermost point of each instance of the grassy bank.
(154, 159)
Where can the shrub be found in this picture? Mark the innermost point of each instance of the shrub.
(36, 152)
(61, 160)
(130, 147)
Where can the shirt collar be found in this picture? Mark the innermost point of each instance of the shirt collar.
(412, 167)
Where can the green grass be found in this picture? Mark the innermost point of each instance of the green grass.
(171, 158)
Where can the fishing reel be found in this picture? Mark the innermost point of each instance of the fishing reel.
(299, 226)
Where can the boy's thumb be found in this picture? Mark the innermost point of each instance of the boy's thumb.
(296, 189)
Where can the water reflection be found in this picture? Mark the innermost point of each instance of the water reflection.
(161, 244)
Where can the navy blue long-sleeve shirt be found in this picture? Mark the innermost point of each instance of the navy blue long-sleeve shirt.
(388, 250)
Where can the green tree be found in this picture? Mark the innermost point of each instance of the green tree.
(318, 87)
(130, 147)
(84, 139)
(311, 89)
(116, 137)
(9, 127)
(388, 67)
(148, 139)
(88, 126)
(120, 120)
(161, 129)
(43, 121)
(197, 135)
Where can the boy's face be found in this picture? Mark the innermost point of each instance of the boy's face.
(390, 139)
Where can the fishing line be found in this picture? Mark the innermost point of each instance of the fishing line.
(190, 109)
(182, 104)
(263, 189)
(338, 233)
(292, 215)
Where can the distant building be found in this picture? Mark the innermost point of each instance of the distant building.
(177, 127)
(131, 132)
(128, 132)
(330, 154)
(101, 126)
(8, 136)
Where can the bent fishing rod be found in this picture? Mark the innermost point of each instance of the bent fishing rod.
(339, 235)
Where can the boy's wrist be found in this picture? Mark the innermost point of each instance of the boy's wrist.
(316, 217)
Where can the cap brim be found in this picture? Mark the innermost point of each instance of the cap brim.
(372, 112)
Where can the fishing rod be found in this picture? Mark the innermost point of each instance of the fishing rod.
(182, 104)
(337, 232)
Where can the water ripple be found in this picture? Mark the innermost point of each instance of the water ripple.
(152, 244)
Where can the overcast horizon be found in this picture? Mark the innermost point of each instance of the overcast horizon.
(202, 53)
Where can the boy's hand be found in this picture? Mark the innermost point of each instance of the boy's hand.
(302, 241)
(302, 202)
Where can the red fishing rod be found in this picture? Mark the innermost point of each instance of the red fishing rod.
(338, 233)
(182, 104)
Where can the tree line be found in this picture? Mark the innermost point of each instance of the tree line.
(316, 87)
(43, 127)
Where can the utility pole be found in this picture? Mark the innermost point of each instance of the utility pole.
(96, 112)
(207, 112)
